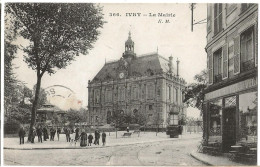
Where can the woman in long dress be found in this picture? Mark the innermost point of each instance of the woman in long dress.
(83, 138)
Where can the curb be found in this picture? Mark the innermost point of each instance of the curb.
(89, 147)
(195, 157)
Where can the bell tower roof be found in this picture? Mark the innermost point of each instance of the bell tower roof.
(129, 40)
(129, 48)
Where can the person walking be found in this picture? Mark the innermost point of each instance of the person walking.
(90, 138)
(21, 135)
(68, 134)
(104, 138)
(39, 133)
(58, 133)
(83, 138)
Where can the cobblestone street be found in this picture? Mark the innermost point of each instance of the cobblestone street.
(175, 152)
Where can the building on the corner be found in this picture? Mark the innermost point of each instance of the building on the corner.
(230, 107)
(149, 84)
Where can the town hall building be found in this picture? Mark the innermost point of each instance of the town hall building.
(149, 84)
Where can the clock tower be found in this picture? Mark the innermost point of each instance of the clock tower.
(129, 54)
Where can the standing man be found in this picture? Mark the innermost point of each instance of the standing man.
(68, 134)
(33, 134)
(104, 138)
(98, 137)
(90, 138)
(21, 135)
(58, 133)
(39, 134)
(95, 135)
(45, 133)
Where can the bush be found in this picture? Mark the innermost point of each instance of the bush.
(11, 127)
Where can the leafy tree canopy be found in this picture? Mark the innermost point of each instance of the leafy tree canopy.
(194, 96)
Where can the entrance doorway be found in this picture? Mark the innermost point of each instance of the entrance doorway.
(229, 128)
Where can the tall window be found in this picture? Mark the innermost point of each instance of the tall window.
(209, 18)
(230, 7)
(150, 91)
(121, 94)
(244, 6)
(135, 92)
(217, 18)
(247, 49)
(217, 65)
(97, 97)
(176, 90)
(169, 92)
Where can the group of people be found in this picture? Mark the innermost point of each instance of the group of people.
(85, 140)
(41, 133)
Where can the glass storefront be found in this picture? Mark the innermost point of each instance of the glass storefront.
(248, 117)
(215, 109)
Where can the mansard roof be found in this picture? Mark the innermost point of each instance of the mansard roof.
(143, 65)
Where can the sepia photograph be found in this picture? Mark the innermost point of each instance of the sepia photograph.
(130, 84)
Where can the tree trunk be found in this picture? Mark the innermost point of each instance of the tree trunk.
(34, 107)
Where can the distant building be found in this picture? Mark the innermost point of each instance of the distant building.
(147, 84)
(230, 107)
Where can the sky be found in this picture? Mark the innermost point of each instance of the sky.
(174, 38)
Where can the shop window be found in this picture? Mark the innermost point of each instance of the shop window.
(215, 111)
(247, 49)
(248, 117)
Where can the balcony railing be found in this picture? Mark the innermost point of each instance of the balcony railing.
(247, 65)
(217, 78)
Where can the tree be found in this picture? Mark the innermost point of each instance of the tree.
(194, 96)
(56, 34)
(10, 50)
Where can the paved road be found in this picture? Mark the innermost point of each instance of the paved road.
(158, 153)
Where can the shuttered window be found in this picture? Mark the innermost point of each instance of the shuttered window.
(256, 44)
(210, 65)
(247, 49)
(217, 65)
(231, 60)
(237, 55)
(225, 62)
(217, 18)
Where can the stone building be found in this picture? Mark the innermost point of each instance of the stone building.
(146, 83)
(230, 107)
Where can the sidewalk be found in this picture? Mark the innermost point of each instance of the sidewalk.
(214, 160)
(111, 140)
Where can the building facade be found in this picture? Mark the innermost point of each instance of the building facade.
(230, 106)
(147, 84)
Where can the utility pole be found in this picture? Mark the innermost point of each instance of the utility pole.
(192, 7)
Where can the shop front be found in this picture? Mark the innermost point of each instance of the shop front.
(230, 115)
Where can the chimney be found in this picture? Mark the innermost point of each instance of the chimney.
(170, 65)
(178, 67)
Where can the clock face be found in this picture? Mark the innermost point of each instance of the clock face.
(121, 75)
